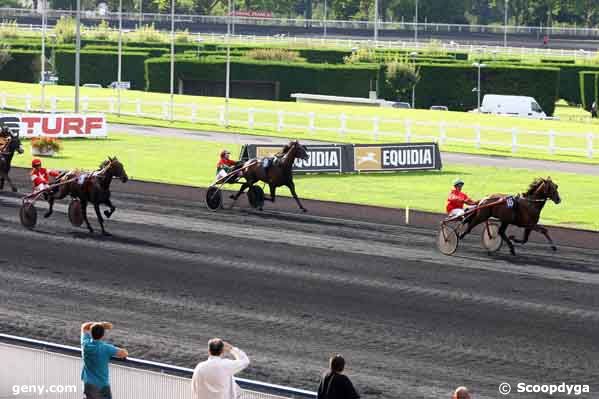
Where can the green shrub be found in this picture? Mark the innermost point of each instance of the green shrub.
(148, 33)
(361, 55)
(65, 30)
(569, 88)
(152, 51)
(102, 31)
(101, 67)
(341, 80)
(273, 54)
(400, 78)
(22, 66)
(9, 30)
(589, 88)
(452, 85)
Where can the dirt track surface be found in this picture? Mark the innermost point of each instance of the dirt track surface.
(291, 289)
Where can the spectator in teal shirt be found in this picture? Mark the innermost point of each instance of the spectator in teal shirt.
(96, 356)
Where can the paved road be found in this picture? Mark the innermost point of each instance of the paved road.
(448, 157)
(292, 289)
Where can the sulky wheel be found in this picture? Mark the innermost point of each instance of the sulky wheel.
(214, 198)
(75, 213)
(28, 215)
(447, 240)
(256, 197)
(490, 238)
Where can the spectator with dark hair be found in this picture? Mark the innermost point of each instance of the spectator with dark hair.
(461, 393)
(96, 356)
(334, 384)
(213, 378)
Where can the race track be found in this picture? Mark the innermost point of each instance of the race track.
(290, 289)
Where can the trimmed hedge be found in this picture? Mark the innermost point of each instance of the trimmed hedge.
(340, 80)
(557, 61)
(569, 88)
(140, 46)
(152, 51)
(589, 88)
(101, 67)
(451, 85)
(24, 66)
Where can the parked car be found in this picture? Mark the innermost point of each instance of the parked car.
(402, 105)
(439, 108)
(124, 85)
(521, 106)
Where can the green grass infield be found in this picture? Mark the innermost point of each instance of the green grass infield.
(192, 162)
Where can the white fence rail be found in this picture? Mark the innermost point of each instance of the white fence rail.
(31, 366)
(315, 23)
(375, 128)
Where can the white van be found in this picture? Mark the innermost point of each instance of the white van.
(521, 106)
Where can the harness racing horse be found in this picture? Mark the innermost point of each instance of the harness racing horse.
(9, 143)
(524, 212)
(277, 174)
(90, 188)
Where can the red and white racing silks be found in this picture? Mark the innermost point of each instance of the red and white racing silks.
(40, 178)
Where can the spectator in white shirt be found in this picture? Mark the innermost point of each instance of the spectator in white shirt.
(213, 378)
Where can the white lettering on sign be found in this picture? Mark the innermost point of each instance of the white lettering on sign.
(397, 157)
(319, 159)
(59, 125)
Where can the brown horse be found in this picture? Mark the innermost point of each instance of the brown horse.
(90, 188)
(9, 143)
(278, 174)
(524, 212)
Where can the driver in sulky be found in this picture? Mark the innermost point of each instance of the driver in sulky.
(456, 200)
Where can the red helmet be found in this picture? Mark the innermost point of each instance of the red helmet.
(36, 162)
(223, 153)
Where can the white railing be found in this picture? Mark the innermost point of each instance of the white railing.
(314, 23)
(346, 127)
(30, 363)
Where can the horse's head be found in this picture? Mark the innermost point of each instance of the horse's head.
(114, 168)
(544, 189)
(301, 151)
(15, 143)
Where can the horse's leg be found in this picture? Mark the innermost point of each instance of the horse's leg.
(273, 192)
(109, 213)
(524, 239)
(12, 186)
(100, 219)
(84, 212)
(505, 238)
(291, 187)
(50, 206)
(544, 231)
(243, 187)
(472, 223)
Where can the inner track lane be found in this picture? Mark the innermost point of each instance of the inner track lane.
(292, 289)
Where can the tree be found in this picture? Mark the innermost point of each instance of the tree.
(401, 77)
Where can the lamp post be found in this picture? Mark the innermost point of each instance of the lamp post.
(228, 72)
(416, 24)
(172, 59)
(43, 59)
(479, 66)
(120, 58)
(376, 20)
(505, 25)
(324, 24)
(413, 55)
(77, 55)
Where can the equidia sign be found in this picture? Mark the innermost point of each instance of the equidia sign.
(357, 158)
(56, 125)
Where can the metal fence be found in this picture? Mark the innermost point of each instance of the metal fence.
(38, 369)
(345, 126)
(301, 22)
